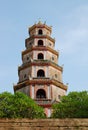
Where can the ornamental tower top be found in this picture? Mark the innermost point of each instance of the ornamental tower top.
(40, 76)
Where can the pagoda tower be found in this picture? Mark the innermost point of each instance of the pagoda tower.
(40, 76)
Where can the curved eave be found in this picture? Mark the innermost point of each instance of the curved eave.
(40, 48)
(59, 84)
(20, 85)
(49, 81)
(40, 26)
(36, 63)
(40, 81)
(40, 36)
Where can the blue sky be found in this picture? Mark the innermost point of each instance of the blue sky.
(69, 21)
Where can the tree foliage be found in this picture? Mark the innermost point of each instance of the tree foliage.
(19, 105)
(74, 105)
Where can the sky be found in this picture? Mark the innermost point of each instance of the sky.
(69, 21)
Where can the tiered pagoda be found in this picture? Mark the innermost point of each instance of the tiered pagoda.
(40, 76)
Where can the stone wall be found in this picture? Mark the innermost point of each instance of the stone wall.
(44, 124)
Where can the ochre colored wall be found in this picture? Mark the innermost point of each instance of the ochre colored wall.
(44, 124)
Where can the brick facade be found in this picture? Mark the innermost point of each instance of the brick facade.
(40, 76)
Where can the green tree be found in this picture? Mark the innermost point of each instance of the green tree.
(19, 105)
(74, 105)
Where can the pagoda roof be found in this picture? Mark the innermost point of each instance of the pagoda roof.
(40, 25)
(44, 48)
(39, 63)
(34, 81)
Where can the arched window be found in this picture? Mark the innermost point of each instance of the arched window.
(40, 43)
(40, 56)
(25, 76)
(40, 73)
(40, 32)
(40, 94)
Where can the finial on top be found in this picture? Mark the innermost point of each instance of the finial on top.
(39, 21)
(45, 22)
(67, 84)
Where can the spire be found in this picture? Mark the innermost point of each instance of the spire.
(39, 21)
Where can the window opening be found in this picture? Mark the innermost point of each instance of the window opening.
(40, 32)
(59, 97)
(27, 58)
(55, 75)
(40, 43)
(25, 76)
(40, 73)
(40, 94)
(40, 56)
(52, 58)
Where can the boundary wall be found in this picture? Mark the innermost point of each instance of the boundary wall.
(44, 124)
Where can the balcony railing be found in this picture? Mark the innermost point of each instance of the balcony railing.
(40, 78)
(43, 101)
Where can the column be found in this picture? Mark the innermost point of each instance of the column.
(48, 92)
(32, 89)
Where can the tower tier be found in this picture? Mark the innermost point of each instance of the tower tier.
(40, 76)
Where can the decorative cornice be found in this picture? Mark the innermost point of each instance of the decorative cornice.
(40, 36)
(40, 81)
(40, 25)
(38, 48)
(39, 63)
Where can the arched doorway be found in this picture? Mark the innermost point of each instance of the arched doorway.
(40, 56)
(40, 42)
(40, 73)
(41, 94)
(40, 32)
